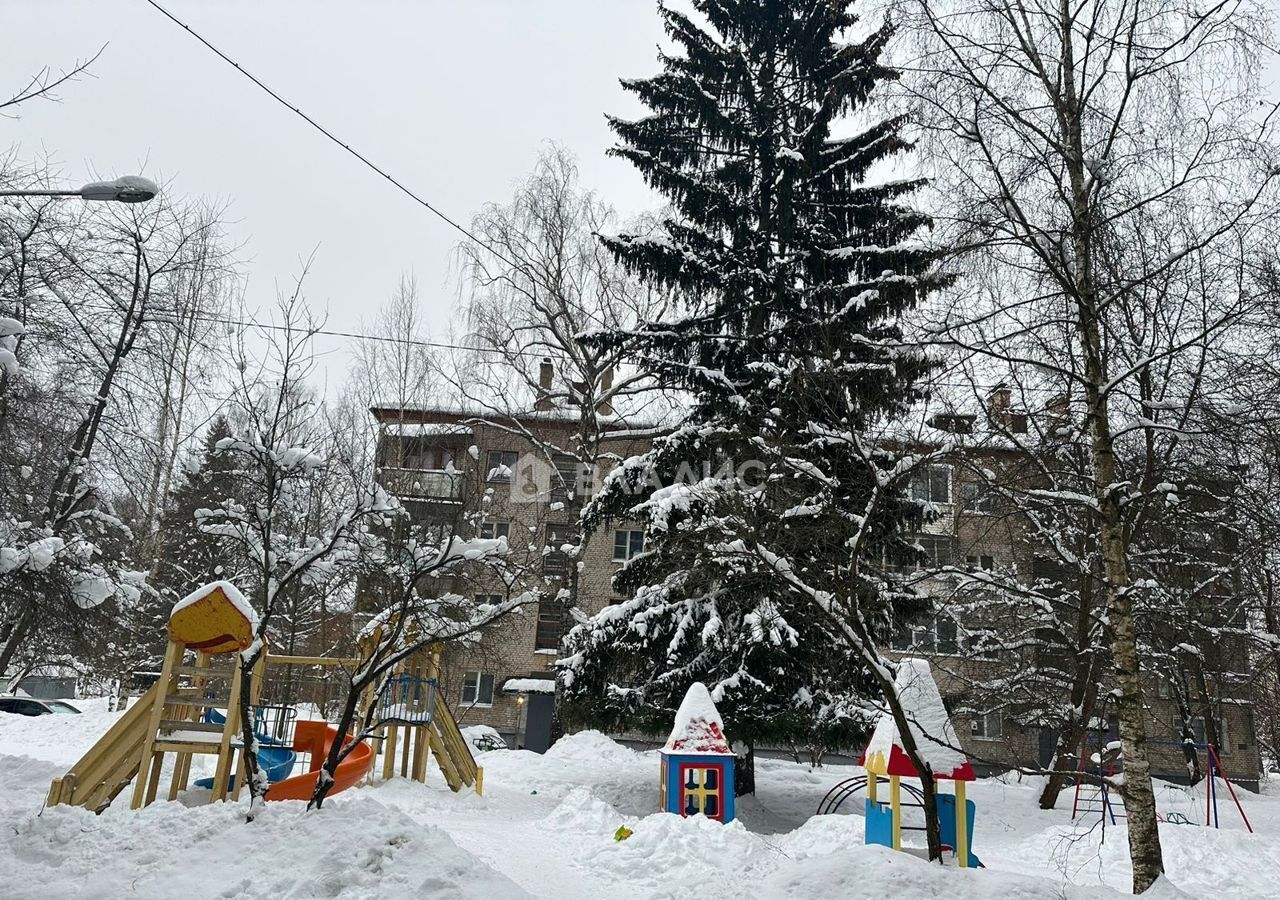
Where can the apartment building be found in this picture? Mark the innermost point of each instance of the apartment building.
(976, 531)
(441, 461)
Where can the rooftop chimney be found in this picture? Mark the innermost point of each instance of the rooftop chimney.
(605, 406)
(545, 373)
(1000, 413)
(998, 402)
(1058, 415)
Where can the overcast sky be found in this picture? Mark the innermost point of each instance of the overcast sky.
(453, 97)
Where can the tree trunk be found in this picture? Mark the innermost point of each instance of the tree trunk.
(1208, 709)
(17, 635)
(1084, 697)
(1070, 739)
(337, 751)
(744, 772)
(1139, 799)
(928, 784)
(255, 778)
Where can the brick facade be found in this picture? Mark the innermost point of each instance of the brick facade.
(966, 532)
(535, 515)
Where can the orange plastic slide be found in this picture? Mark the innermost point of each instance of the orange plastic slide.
(316, 738)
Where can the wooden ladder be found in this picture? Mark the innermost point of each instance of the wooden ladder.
(175, 725)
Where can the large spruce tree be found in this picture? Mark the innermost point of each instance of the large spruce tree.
(187, 557)
(771, 512)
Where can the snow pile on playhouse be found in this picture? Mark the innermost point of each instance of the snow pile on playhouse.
(697, 765)
(698, 727)
(929, 724)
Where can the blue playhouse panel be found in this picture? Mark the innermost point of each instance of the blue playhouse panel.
(672, 791)
(880, 823)
(947, 823)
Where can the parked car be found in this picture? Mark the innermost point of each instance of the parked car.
(26, 706)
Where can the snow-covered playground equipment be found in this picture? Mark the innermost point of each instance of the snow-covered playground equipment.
(884, 757)
(697, 762)
(1098, 770)
(194, 709)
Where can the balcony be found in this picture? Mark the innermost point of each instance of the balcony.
(423, 484)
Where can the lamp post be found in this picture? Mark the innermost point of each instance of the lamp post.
(126, 189)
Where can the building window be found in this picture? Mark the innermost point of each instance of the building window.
(932, 484)
(700, 790)
(420, 456)
(942, 635)
(568, 478)
(937, 551)
(477, 689)
(948, 634)
(555, 562)
(1198, 733)
(502, 465)
(550, 625)
(627, 544)
(489, 599)
(988, 726)
(979, 498)
(981, 561)
(493, 530)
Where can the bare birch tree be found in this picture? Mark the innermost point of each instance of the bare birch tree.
(1072, 138)
(539, 279)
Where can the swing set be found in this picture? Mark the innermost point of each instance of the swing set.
(1214, 771)
(1095, 770)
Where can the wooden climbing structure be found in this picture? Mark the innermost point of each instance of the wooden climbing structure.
(414, 721)
(193, 709)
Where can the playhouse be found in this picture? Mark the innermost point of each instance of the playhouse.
(193, 709)
(885, 758)
(697, 762)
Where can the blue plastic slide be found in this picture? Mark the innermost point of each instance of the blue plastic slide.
(274, 757)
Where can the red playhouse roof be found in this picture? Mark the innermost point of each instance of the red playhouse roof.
(930, 726)
(899, 764)
(698, 728)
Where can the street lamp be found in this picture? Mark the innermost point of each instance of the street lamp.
(126, 189)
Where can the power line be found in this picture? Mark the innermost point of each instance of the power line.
(330, 135)
(358, 336)
(505, 352)
(412, 195)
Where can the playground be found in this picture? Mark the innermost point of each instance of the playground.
(194, 710)
(149, 803)
(545, 828)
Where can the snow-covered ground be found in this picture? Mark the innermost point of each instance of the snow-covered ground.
(545, 828)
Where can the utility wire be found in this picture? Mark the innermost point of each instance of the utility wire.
(330, 135)
(505, 352)
(412, 195)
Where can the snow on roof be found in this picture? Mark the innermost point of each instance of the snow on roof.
(419, 429)
(229, 590)
(698, 728)
(529, 686)
(930, 727)
(560, 414)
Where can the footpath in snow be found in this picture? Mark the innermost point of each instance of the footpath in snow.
(546, 829)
